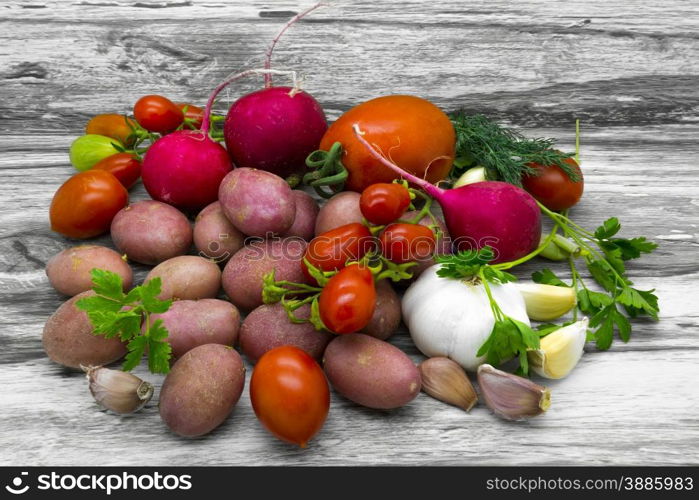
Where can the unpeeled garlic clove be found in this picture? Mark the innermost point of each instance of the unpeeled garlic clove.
(512, 397)
(546, 302)
(560, 350)
(445, 380)
(118, 391)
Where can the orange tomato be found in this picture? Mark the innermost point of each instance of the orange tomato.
(411, 131)
(114, 126)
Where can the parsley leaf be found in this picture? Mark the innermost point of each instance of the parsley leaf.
(608, 229)
(509, 338)
(464, 264)
(634, 247)
(547, 277)
(114, 313)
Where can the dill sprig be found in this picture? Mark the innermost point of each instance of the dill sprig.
(505, 153)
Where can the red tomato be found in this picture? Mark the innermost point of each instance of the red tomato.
(123, 166)
(413, 132)
(117, 127)
(401, 243)
(290, 394)
(157, 114)
(85, 204)
(383, 203)
(552, 187)
(194, 114)
(348, 300)
(333, 249)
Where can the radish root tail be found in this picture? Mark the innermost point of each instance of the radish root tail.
(426, 186)
(270, 49)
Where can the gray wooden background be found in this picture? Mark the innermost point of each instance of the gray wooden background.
(628, 69)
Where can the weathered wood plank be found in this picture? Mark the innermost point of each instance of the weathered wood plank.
(630, 73)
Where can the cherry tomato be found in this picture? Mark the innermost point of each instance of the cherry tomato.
(348, 300)
(290, 394)
(333, 249)
(401, 243)
(413, 132)
(194, 115)
(552, 187)
(157, 114)
(383, 203)
(85, 204)
(117, 127)
(123, 166)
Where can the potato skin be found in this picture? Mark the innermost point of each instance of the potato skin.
(191, 323)
(387, 313)
(69, 270)
(371, 372)
(341, 209)
(187, 277)
(201, 389)
(268, 326)
(257, 202)
(306, 212)
(68, 338)
(242, 276)
(214, 235)
(151, 232)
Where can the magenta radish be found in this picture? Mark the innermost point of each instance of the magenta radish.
(185, 168)
(275, 128)
(489, 213)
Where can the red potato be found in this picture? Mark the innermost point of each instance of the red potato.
(68, 339)
(69, 271)
(268, 326)
(202, 389)
(214, 235)
(151, 232)
(187, 277)
(256, 202)
(305, 219)
(191, 323)
(341, 209)
(371, 372)
(242, 276)
(387, 312)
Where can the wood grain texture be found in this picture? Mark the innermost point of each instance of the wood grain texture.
(629, 70)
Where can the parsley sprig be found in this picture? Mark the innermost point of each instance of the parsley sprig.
(510, 338)
(605, 260)
(128, 315)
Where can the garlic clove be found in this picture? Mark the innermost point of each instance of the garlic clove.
(546, 302)
(471, 176)
(445, 380)
(560, 351)
(512, 397)
(118, 391)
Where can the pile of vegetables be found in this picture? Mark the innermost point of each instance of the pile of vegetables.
(310, 293)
